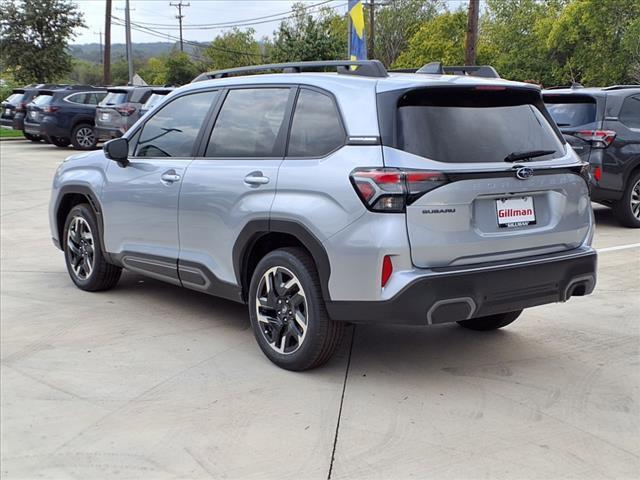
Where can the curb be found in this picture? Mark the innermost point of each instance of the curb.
(11, 139)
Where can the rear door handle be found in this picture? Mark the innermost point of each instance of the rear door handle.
(255, 179)
(170, 176)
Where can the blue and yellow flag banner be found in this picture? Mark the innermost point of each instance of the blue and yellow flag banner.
(357, 42)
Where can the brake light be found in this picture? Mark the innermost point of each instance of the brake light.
(597, 138)
(126, 110)
(597, 173)
(494, 88)
(390, 190)
(50, 109)
(387, 270)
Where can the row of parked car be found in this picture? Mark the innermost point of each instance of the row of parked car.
(77, 115)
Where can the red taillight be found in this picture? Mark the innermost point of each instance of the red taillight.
(387, 270)
(21, 107)
(597, 173)
(391, 189)
(126, 110)
(50, 109)
(597, 138)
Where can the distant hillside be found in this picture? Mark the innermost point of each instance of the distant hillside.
(142, 51)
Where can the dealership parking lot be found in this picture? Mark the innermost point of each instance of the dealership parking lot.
(148, 380)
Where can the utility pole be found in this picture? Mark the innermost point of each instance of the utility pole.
(372, 28)
(107, 45)
(180, 17)
(101, 54)
(472, 33)
(127, 18)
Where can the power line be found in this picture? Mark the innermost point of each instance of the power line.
(239, 23)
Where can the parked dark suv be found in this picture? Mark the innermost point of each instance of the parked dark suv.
(603, 127)
(13, 112)
(119, 110)
(65, 116)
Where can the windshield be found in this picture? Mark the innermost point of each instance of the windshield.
(572, 114)
(154, 99)
(470, 127)
(42, 100)
(114, 98)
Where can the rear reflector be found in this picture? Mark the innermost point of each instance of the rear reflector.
(387, 270)
(597, 173)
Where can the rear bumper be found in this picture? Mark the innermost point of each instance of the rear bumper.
(6, 122)
(448, 295)
(32, 128)
(103, 133)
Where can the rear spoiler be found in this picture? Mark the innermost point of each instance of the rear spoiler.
(436, 68)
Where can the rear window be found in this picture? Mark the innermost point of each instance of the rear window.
(571, 111)
(154, 99)
(14, 98)
(114, 98)
(467, 126)
(42, 100)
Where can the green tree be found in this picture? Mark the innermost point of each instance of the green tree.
(34, 35)
(234, 48)
(396, 23)
(85, 72)
(305, 37)
(514, 33)
(155, 71)
(439, 39)
(180, 69)
(596, 42)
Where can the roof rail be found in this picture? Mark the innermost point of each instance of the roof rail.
(620, 87)
(436, 68)
(365, 68)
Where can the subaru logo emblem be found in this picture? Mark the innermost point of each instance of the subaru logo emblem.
(524, 173)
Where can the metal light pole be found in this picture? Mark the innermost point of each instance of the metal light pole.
(128, 38)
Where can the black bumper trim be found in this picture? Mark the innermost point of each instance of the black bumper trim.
(470, 293)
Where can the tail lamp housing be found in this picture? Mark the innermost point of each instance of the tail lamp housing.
(597, 138)
(390, 190)
(50, 109)
(126, 109)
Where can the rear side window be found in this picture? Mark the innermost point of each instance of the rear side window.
(80, 98)
(571, 110)
(468, 126)
(172, 130)
(114, 98)
(316, 129)
(630, 112)
(98, 96)
(250, 124)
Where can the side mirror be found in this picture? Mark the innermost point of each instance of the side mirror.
(117, 150)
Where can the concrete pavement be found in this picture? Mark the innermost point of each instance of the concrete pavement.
(152, 381)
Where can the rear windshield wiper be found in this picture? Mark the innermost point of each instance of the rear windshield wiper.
(519, 156)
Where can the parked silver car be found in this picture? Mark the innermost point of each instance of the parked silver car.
(320, 199)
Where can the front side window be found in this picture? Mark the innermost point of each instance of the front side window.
(630, 112)
(172, 130)
(316, 129)
(250, 124)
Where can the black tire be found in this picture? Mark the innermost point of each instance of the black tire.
(321, 336)
(33, 138)
(60, 141)
(100, 275)
(491, 322)
(83, 137)
(627, 209)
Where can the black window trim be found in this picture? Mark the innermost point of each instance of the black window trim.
(340, 120)
(132, 133)
(283, 136)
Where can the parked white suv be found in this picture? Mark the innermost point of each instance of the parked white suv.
(323, 198)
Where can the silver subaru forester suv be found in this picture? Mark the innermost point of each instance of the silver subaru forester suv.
(320, 198)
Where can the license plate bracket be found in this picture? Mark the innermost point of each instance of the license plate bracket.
(514, 212)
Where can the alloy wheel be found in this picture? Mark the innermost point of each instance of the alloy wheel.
(635, 200)
(85, 137)
(80, 244)
(281, 309)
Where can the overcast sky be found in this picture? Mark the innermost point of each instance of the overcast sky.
(160, 13)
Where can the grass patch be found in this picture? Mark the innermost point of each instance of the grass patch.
(9, 133)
